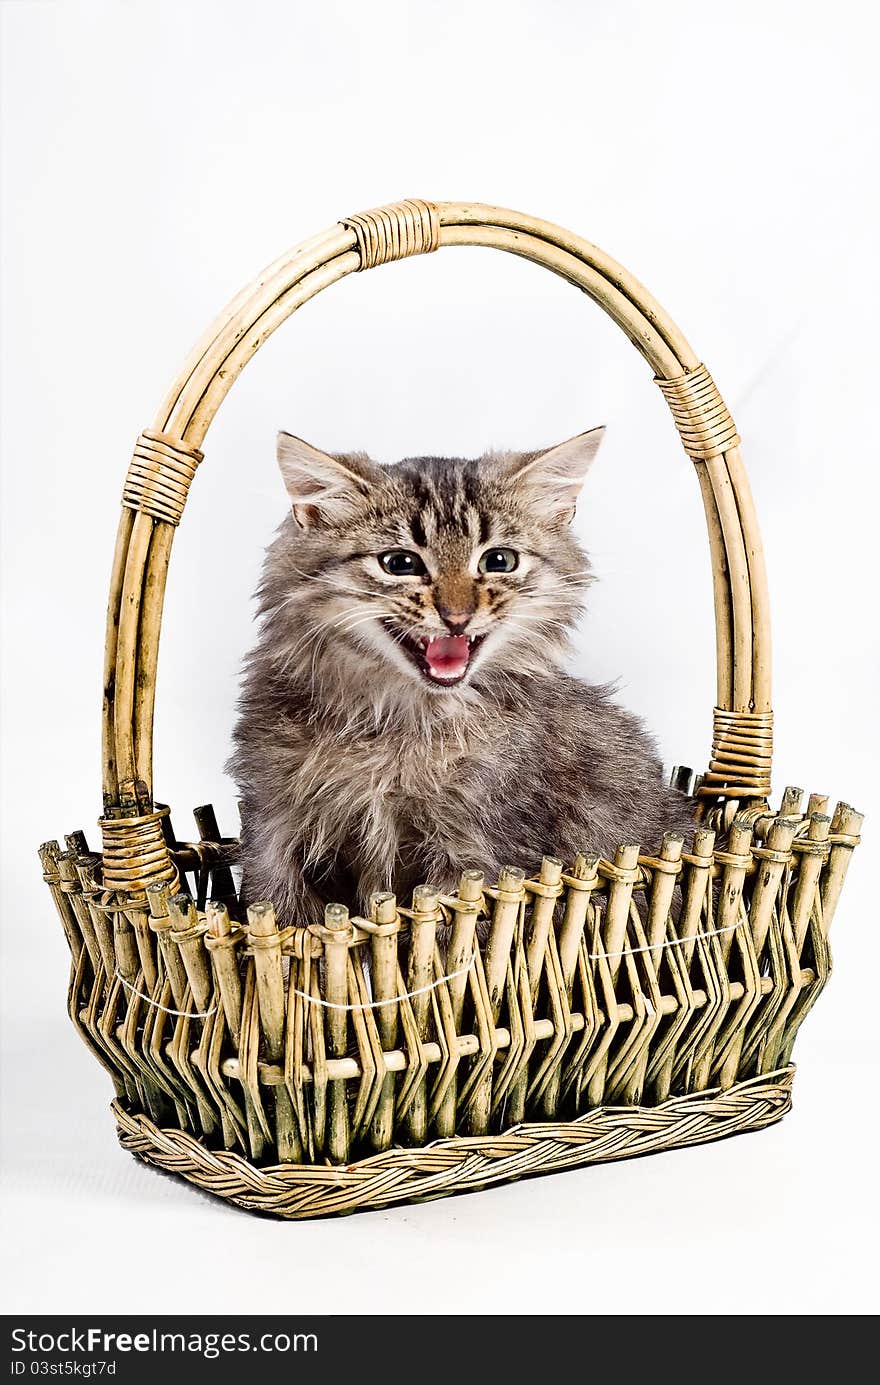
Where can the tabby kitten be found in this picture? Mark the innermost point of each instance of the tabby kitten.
(405, 712)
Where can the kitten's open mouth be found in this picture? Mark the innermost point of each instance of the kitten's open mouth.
(441, 659)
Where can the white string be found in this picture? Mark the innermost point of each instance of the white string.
(593, 957)
(183, 1014)
(670, 942)
(423, 990)
(392, 999)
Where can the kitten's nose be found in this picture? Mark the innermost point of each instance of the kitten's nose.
(455, 621)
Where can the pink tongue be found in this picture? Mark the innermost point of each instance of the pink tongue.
(447, 655)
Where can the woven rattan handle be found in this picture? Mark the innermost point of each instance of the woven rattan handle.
(166, 457)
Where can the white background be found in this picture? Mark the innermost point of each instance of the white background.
(156, 156)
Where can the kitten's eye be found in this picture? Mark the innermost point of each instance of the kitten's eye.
(401, 563)
(499, 560)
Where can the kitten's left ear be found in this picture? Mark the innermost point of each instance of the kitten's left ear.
(554, 478)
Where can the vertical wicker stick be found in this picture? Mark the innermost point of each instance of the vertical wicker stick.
(71, 887)
(549, 888)
(160, 923)
(806, 889)
(222, 941)
(812, 853)
(580, 885)
(509, 899)
(287, 1133)
(789, 809)
(699, 862)
(543, 906)
(766, 888)
(259, 1134)
(336, 944)
(124, 942)
(139, 919)
(699, 865)
(736, 860)
(88, 869)
(459, 955)
(423, 937)
(846, 823)
(765, 891)
(662, 891)
(583, 880)
(186, 932)
(623, 875)
(790, 805)
(510, 896)
(49, 854)
(264, 938)
(735, 867)
(222, 883)
(659, 906)
(299, 1015)
(383, 912)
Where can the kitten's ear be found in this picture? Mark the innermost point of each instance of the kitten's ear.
(553, 479)
(322, 488)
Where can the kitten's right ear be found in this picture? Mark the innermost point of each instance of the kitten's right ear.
(322, 489)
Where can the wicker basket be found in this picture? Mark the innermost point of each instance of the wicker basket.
(616, 1007)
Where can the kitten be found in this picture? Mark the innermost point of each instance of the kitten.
(405, 713)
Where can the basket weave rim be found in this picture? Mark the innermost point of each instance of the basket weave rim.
(405, 1154)
(523, 1150)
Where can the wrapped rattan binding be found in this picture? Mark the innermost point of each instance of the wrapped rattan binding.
(395, 232)
(700, 414)
(135, 852)
(742, 756)
(605, 1007)
(159, 477)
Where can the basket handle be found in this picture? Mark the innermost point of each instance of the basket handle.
(166, 457)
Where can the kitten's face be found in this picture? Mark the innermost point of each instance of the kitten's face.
(433, 575)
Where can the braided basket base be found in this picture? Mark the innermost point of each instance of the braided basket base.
(464, 1163)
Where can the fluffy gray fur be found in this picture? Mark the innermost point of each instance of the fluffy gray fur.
(358, 774)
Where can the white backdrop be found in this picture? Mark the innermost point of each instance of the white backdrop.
(156, 155)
